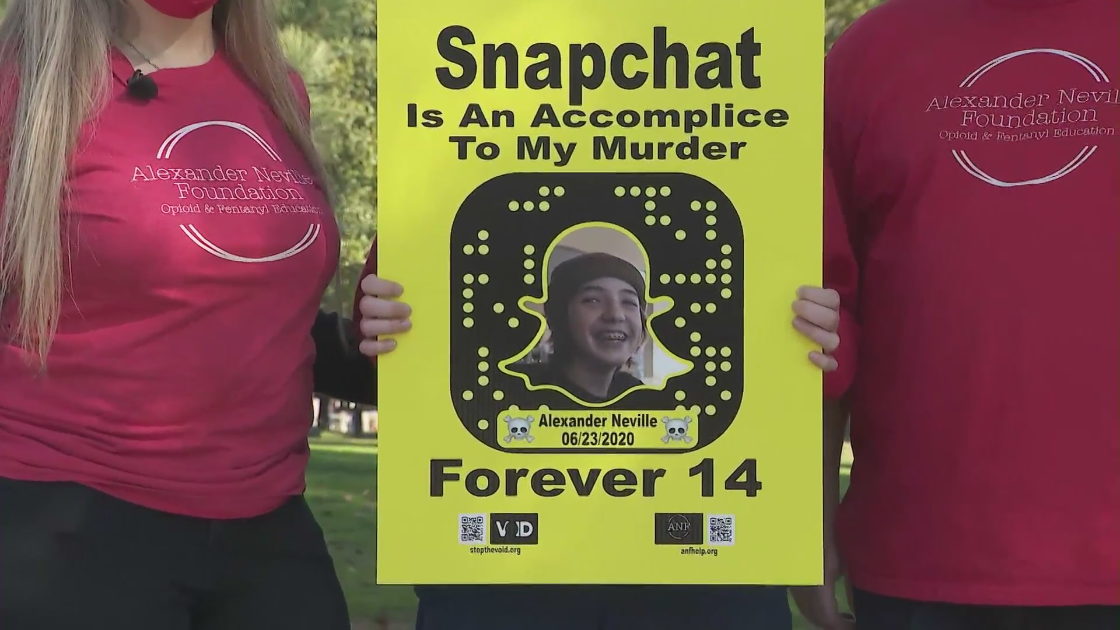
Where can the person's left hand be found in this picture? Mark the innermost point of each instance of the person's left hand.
(817, 313)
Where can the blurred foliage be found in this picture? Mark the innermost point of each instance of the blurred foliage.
(333, 45)
(841, 13)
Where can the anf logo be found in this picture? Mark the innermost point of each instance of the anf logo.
(513, 529)
(678, 529)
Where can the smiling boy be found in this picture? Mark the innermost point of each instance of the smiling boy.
(596, 310)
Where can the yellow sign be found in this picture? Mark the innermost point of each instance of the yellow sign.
(600, 212)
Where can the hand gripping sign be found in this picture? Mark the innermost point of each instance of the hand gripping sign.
(600, 213)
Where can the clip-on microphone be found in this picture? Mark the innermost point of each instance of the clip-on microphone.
(141, 86)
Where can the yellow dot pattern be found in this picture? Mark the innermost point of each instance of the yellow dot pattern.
(541, 205)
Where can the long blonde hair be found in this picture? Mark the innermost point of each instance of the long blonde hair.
(57, 52)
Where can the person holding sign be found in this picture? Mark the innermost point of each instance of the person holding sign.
(165, 240)
(981, 201)
(594, 311)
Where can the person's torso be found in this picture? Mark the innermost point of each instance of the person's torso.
(985, 409)
(198, 248)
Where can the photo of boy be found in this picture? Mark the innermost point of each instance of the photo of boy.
(596, 312)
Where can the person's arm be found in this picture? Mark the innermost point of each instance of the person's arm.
(845, 242)
(340, 370)
(841, 274)
(818, 603)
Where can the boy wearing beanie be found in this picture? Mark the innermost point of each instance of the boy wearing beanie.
(596, 311)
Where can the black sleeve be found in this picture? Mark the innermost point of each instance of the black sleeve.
(340, 370)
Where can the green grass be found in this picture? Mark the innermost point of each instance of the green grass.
(342, 489)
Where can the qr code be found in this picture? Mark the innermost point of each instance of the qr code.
(472, 529)
(721, 529)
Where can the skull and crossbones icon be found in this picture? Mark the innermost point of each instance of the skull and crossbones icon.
(518, 429)
(676, 429)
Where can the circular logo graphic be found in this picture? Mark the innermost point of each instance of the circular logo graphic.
(678, 527)
(1080, 158)
(164, 153)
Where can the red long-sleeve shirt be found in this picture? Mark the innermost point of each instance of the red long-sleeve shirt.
(977, 166)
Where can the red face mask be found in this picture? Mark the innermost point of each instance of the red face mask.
(182, 9)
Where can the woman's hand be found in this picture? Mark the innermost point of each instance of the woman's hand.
(382, 314)
(818, 318)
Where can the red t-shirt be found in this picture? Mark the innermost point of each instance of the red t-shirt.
(199, 248)
(974, 144)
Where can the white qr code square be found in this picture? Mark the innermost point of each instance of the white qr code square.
(472, 529)
(721, 529)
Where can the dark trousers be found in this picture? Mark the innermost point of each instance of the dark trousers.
(878, 612)
(603, 608)
(72, 558)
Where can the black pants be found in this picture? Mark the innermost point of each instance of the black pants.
(72, 558)
(603, 608)
(878, 612)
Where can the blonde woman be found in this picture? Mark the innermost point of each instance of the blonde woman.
(165, 238)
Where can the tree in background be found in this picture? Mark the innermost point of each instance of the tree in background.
(841, 13)
(333, 43)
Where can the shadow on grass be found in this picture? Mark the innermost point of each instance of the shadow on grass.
(342, 490)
